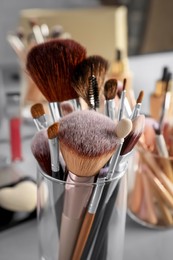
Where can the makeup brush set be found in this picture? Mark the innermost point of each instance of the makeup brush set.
(85, 150)
(150, 199)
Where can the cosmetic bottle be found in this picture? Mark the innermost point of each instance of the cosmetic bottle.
(157, 97)
(119, 69)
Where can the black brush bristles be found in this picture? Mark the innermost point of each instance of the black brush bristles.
(51, 66)
(83, 71)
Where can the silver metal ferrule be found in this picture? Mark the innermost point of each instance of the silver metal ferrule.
(127, 108)
(41, 122)
(122, 163)
(110, 109)
(54, 154)
(114, 161)
(136, 110)
(121, 109)
(96, 195)
(55, 111)
(76, 104)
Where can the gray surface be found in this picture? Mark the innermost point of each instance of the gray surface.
(21, 243)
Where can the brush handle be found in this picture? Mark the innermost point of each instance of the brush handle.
(83, 235)
(15, 139)
(68, 235)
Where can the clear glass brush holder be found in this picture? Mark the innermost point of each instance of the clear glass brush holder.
(150, 189)
(61, 209)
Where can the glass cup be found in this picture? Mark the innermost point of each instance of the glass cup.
(61, 209)
(150, 189)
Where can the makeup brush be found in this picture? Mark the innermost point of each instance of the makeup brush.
(41, 151)
(36, 31)
(51, 66)
(133, 137)
(137, 108)
(122, 98)
(87, 141)
(80, 81)
(122, 129)
(17, 45)
(110, 90)
(52, 133)
(39, 116)
(66, 108)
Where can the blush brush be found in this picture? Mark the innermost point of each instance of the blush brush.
(87, 141)
(51, 66)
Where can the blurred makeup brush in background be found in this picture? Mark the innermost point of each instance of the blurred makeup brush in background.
(36, 31)
(122, 129)
(51, 66)
(93, 65)
(110, 90)
(66, 108)
(39, 116)
(87, 141)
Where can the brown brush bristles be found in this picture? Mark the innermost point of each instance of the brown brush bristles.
(110, 89)
(66, 108)
(140, 97)
(41, 151)
(133, 137)
(51, 66)
(52, 130)
(87, 141)
(37, 110)
(95, 63)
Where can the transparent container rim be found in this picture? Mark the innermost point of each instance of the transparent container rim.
(52, 179)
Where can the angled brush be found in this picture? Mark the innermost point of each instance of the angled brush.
(110, 90)
(87, 141)
(98, 65)
(51, 66)
(39, 116)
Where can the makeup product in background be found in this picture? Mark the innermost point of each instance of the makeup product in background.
(51, 66)
(15, 139)
(119, 69)
(79, 133)
(122, 129)
(157, 98)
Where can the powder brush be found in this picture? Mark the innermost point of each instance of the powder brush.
(122, 129)
(93, 65)
(87, 141)
(51, 66)
(110, 90)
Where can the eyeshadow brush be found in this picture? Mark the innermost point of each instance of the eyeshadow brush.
(39, 116)
(110, 90)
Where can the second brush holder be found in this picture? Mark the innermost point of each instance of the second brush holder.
(150, 196)
(62, 208)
